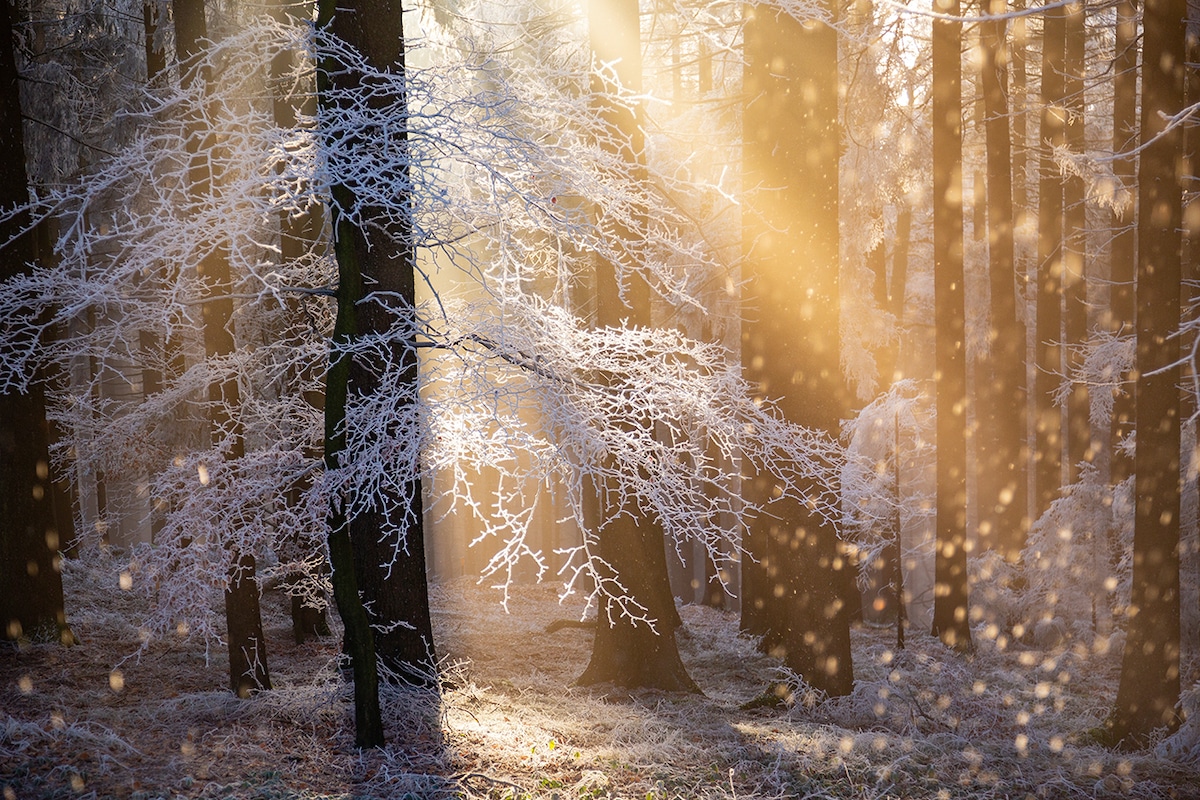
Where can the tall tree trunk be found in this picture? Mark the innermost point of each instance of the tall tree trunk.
(359, 642)
(1018, 59)
(247, 646)
(156, 57)
(1122, 255)
(299, 232)
(1148, 692)
(950, 621)
(1047, 454)
(388, 541)
(1075, 262)
(31, 591)
(1002, 471)
(790, 343)
(626, 651)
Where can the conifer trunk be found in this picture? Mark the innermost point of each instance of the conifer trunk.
(1047, 455)
(1003, 491)
(31, 592)
(950, 617)
(795, 596)
(1079, 447)
(1148, 692)
(1122, 255)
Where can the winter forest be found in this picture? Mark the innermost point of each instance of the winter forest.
(655, 399)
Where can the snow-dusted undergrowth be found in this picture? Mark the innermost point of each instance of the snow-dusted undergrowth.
(922, 722)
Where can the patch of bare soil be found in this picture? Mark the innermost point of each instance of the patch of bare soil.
(92, 722)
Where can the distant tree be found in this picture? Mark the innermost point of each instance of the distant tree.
(1002, 444)
(1148, 693)
(1047, 454)
(247, 645)
(299, 238)
(1079, 445)
(950, 604)
(794, 587)
(31, 591)
(1122, 253)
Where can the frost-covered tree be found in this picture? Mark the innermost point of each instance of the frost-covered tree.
(626, 651)
(1002, 451)
(499, 169)
(245, 642)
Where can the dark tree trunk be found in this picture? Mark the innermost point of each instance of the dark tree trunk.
(247, 646)
(1002, 447)
(1122, 255)
(633, 653)
(950, 618)
(795, 594)
(156, 57)
(1148, 692)
(1019, 111)
(1047, 455)
(31, 592)
(62, 486)
(388, 542)
(627, 652)
(299, 233)
(359, 642)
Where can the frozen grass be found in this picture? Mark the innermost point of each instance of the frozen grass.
(922, 723)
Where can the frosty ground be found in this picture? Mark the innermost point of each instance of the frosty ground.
(91, 721)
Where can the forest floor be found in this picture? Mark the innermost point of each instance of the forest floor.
(90, 722)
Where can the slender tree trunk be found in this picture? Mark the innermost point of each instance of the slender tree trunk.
(1047, 455)
(1004, 507)
(790, 344)
(31, 591)
(1122, 255)
(1148, 692)
(299, 232)
(388, 542)
(156, 57)
(950, 621)
(247, 646)
(1019, 111)
(625, 651)
(1079, 443)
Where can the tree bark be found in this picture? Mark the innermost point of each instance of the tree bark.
(1003, 448)
(359, 641)
(1122, 255)
(31, 591)
(299, 233)
(950, 604)
(795, 594)
(1047, 454)
(1148, 692)
(626, 651)
(388, 542)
